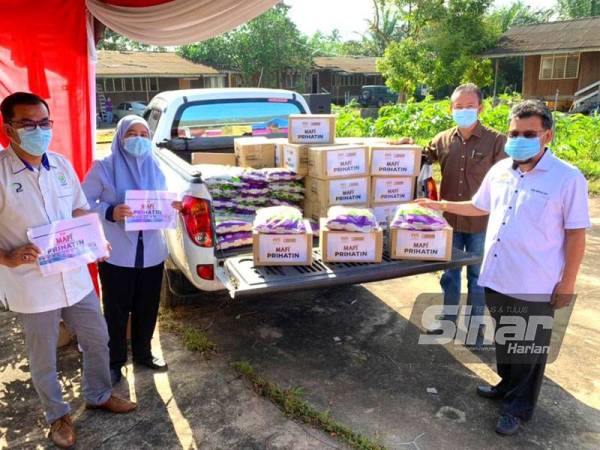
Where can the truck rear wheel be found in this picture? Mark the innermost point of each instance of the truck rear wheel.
(176, 290)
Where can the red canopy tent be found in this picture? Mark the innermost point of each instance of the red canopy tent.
(48, 47)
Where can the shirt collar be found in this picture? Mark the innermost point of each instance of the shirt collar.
(477, 131)
(545, 163)
(19, 164)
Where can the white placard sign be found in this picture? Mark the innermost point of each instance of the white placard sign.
(421, 243)
(392, 190)
(310, 131)
(393, 162)
(152, 210)
(346, 162)
(275, 248)
(351, 246)
(291, 158)
(345, 192)
(69, 244)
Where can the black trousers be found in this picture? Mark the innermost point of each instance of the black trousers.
(522, 373)
(130, 291)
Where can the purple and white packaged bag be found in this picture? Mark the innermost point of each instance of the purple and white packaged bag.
(279, 220)
(412, 216)
(347, 218)
(273, 174)
(234, 240)
(231, 223)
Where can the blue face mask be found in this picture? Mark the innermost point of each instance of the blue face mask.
(137, 146)
(521, 148)
(465, 118)
(35, 142)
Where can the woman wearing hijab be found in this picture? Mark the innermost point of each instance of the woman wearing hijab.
(132, 276)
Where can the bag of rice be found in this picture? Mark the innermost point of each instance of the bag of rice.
(273, 174)
(234, 240)
(287, 186)
(292, 197)
(279, 220)
(347, 218)
(411, 216)
(231, 223)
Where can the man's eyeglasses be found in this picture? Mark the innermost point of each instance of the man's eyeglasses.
(526, 134)
(30, 125)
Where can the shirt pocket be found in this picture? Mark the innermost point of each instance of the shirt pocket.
(65, 201)
(533, 210)
(479, 163)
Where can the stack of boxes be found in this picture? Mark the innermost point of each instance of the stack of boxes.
(394, 169)
(362, 172)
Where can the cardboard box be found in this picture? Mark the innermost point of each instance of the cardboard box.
(341, 191)
(224, 159)
(383, 212)
(392, 189)
(421, 245)
(348, 246)
(255, 152)
(311, 128)
(338, 161)
(398, 160)
(283, 249)
(279, 143)
(295, 158)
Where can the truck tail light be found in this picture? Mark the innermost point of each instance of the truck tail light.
(206, 271)
(196, 216)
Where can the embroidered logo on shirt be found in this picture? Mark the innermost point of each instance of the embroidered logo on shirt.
(18, 187)
(62, 179)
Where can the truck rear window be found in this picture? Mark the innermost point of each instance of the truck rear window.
(243, 117)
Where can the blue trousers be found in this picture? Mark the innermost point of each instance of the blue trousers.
(450, 282)
(41, 336)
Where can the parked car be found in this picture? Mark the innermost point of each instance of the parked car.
(126, 108)
(376, 96)
(187, 121)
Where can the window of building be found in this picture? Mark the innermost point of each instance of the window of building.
(153, 84)
(214, 82)
(559, 67)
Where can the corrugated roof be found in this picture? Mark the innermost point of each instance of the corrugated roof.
(117, 63)
(348, 64)
(552, 37)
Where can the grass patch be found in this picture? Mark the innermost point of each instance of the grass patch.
(196, 341)
(290, 401)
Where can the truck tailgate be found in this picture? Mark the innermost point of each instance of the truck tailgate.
(241, 278)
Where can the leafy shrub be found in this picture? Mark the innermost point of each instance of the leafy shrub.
(577, 137)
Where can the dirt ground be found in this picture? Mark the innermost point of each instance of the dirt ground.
(347, 349)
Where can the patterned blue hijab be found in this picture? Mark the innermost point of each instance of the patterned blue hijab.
(126, 172)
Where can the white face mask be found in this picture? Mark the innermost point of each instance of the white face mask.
(36, 141)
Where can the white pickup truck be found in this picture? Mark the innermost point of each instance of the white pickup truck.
(188, 121)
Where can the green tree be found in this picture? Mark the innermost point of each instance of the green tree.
(575, 9)
(515, 14)
(500, 20)
(440, 48)
(384, 27)
(262, 50)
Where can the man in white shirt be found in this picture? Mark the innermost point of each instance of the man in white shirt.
(535, 242)
(38, 187)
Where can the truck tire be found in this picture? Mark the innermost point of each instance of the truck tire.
(176, 290)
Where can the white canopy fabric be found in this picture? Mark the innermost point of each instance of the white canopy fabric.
(177, 22)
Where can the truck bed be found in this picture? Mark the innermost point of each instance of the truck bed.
(241, 278)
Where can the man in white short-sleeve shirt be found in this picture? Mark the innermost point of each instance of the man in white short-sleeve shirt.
(535, 242)
(38, 187)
